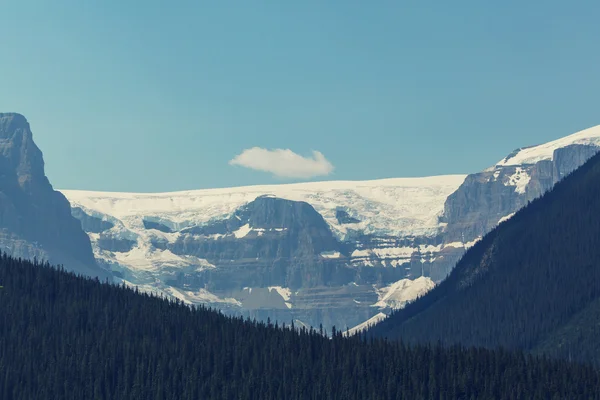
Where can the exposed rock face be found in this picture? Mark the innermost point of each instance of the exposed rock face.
(35, 220)
(157, 225)
(112, 243)
(91, 224)
(343, 217)
(268, 242)
(487, 197)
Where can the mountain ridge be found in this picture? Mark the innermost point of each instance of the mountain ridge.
(386, 230)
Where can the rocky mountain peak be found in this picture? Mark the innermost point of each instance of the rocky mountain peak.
(10, 122)
(19, 153)
(36, 220)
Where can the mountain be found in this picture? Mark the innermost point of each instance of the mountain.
(35, 220)
(316, 252)
(322, 253)
(67, 337)
(532, 283)
(486, 198)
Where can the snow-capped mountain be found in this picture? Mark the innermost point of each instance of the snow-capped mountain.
(244, 240)
(546, 152)
(401, 206)
(331, 253)
(491, 196)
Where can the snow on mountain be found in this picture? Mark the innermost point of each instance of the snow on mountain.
(534, 154)
(285, 293)
(399, 293)
(365, 325)
(399, 206)
(505, 218)
(519, 179)
(395, 296)
(393, 237)
(199, 297)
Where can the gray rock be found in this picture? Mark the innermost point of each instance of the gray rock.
(36, 220)
(344, 218)
(486, 197)
(90, 223)
(156, 225)
(119, 245)
(281, 246)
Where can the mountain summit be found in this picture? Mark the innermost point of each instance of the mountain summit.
(35, 220)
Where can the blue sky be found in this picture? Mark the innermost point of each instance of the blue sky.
(161, 97)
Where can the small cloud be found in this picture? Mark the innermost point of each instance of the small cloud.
(283, 163)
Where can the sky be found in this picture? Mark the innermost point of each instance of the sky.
(161, 96)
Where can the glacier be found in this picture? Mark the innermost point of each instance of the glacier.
(397, 206)
(381, 244)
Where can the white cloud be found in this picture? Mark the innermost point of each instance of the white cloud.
(283, 163)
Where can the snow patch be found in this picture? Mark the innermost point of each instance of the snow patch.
(188, 297)
(243, 231)
(519, 179)
(505, 218)
(144, 288)
(366, 325)
(430, 248)
(457, 245)
(534, 154)
(146, 258)
(331, 254)
(286, 293)
(202, 296)
(472, 243)
(362, 253)
(389, 252)
(401, 292)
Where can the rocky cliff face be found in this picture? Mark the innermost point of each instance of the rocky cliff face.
(35, 220)
(488, 197)
(268, 242)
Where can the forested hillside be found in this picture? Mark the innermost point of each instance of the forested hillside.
(533, 283)
(66, 337)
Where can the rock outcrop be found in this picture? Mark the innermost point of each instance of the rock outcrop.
(35, 220)
(485, 198)
(268, 242)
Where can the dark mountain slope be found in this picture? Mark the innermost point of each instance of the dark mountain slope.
(66, 337)
(578, 339)
(523, 282)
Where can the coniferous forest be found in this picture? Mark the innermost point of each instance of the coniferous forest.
(532, 284)
(68, 337)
